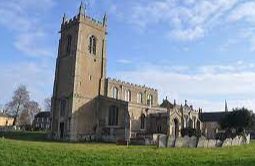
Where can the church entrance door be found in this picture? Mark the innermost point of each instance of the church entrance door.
(61, 127)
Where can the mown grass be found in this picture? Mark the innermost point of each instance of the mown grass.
(20, 152)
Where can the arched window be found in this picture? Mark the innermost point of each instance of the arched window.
(92, 45)
(139, 98)
(127, 95)
(69, 44)
(113, 116)
(142, 121)
(149, 100)
(115, 93)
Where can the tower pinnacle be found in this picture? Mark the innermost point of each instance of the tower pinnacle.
(64, 19)
(82, 9)
(105, 19)
(226, 106)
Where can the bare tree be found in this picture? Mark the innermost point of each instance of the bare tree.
(47, 104)
(1, 108)
(24, 118)
(27, 115)
(5, 108)
(18, 102)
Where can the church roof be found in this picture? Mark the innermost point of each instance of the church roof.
(166, 104)
(212, 116)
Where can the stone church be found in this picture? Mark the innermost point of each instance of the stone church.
(87, 105)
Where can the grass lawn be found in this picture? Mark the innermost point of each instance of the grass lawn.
(26, 152)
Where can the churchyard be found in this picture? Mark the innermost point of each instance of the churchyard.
(32, 149)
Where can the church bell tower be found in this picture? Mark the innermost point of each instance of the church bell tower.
(79, 76)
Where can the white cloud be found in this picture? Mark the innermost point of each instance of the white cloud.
(206, 86)
(124, 61)
(23, 18)
(244, 11)
(187, 20)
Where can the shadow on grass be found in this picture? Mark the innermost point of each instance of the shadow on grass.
(36, 136)
(27, 136)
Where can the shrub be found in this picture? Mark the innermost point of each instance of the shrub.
(190, 132)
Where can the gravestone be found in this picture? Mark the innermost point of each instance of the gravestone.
(219, 143)
(179, 142)
(192, 142)
(248, 139)
(155, 139)
(227, 142)
(211, 143)
(202, 142)
(162, 141)
(235, 141)
(170, 141)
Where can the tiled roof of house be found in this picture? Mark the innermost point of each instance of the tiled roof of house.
(5, 115)
(42, 115)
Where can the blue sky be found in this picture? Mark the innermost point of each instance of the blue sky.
(199, 50)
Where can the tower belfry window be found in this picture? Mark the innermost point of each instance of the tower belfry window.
(69, 44)
(92, 45)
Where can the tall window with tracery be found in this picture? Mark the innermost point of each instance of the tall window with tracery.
(115, 93)
(149, 100)
(139, 98)
(92, 45)
(127, 95)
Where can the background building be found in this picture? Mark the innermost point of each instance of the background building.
(6, 120)
(42, 121)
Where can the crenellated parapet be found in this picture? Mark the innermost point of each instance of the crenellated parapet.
(128, 84)
(82, 17)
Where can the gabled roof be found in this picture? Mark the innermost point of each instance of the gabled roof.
(43, 115)
(166, 104)
(212, 116)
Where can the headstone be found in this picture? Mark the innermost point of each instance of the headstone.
(148, 141)
(202, 142)
(235, 141)
(179, 142)
(219, 143)
(211, 143)
(182, 142)
(192, 142)
(240, 140)
(162, 141)
(155, 138)
(170, 141)
(248, 139)
(227, 142)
